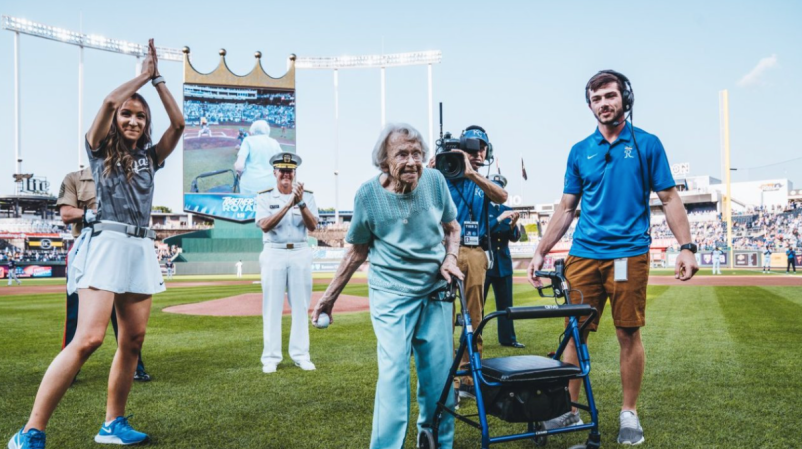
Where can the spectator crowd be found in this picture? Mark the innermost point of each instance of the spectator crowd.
(277, 115)
(756, 228)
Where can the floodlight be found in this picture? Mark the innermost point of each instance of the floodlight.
(369, 61)
(89, 41)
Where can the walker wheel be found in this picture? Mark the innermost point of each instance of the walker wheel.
(426, 439)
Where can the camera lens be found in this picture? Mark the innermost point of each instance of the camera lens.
(450, 165)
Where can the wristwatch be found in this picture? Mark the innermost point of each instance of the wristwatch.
(301, 205)
(689, 246)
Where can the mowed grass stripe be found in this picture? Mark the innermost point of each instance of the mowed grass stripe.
(703, 388)
(689, 369)
(767, 329)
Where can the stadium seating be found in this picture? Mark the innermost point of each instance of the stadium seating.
(30, 226)
(756, 228)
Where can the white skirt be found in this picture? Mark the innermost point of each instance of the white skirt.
(114, 262)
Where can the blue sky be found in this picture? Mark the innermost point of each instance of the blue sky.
(517, 68)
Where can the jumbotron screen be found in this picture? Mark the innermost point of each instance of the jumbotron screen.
(230, 135)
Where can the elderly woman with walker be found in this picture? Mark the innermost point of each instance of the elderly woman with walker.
(112, 263)
(401, 219)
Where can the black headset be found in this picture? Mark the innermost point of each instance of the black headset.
(627, 94)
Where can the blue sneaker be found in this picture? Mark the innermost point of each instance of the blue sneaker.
(32, 439)
(119, 432)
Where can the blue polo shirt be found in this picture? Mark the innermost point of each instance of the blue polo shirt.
(613, 222)
(470, 201)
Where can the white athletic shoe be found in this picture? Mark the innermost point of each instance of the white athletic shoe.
(305, 365)
(630, 433)
(269, 368)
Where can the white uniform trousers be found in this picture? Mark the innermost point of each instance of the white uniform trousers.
(287, 270)
(716, 265)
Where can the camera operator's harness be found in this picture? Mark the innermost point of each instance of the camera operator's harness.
(476, 239)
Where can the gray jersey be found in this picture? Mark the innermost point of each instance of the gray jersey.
(117, 199)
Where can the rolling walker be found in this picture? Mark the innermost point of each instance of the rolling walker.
(523, 389)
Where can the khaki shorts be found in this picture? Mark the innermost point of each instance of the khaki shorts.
(596, 280)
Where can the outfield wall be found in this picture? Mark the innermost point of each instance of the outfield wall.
(207, 268)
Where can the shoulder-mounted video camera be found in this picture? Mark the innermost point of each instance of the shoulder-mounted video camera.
(452, 164)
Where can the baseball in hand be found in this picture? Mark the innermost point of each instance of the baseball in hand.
(323, 321)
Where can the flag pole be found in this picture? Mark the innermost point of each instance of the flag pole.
(521, 182)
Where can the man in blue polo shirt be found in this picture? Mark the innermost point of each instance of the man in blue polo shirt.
(613, 172)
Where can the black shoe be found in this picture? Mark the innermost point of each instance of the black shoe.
(141, 376)
(517, 345)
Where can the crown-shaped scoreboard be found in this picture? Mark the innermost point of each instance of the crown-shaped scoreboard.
(222, 75)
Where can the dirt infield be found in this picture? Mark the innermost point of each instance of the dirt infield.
(250, 304)
(778, 280)
(61, 288)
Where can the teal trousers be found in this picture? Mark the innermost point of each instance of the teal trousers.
(407, 325)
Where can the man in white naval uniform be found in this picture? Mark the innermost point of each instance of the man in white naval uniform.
(285, 214)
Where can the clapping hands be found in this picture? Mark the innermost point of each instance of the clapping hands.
(298, 193)
(150, 65)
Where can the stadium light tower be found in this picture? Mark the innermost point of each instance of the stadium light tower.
(368, 62)
(81, 40)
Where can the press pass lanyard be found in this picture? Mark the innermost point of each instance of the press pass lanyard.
(473, 196)
(470, 234)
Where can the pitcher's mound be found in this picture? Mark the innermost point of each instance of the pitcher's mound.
(250, 304)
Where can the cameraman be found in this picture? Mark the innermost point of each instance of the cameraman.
(472, 195)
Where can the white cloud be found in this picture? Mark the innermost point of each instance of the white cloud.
(753, 77)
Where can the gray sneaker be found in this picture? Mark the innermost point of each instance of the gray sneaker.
(569, 419)
(631, 432)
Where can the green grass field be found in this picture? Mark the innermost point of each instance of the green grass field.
(722, 371)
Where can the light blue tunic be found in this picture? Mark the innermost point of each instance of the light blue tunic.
(404, 232)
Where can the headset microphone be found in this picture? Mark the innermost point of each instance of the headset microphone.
(618, 122)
